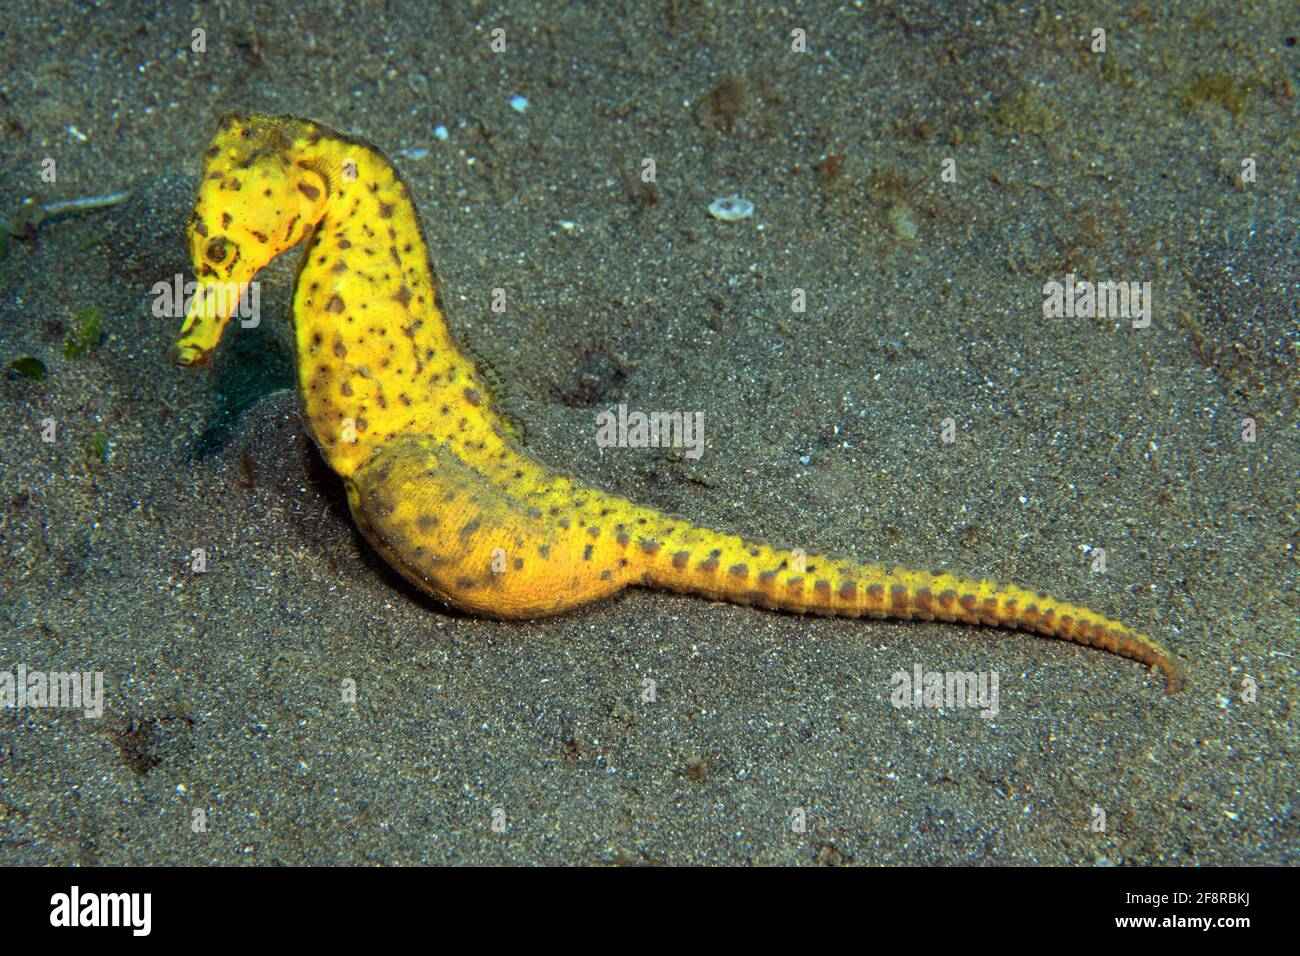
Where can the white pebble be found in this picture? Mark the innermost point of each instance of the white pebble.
(731, 208)
(519, 104)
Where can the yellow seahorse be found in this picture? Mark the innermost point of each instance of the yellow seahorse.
(434, 477)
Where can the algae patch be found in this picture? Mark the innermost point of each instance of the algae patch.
(1217, 89)
(29, 367)
(1027, 112)
(87, 329)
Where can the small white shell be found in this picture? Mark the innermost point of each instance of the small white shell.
(731, 208)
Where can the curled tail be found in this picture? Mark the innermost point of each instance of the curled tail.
(532, 543)
(698, 561)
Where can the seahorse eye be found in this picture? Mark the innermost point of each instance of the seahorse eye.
(218, 250)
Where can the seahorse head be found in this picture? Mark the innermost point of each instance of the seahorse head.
(261, 194)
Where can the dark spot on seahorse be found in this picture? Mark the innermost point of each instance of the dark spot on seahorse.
(594, 530)
(465, 584)
(623, 538)
(924, 599)
(347, 388)
(310, 191)
(339, 267)
(947, 598)
(968, 601)
(848, 591)
(767, 577)
(651, 548)
(586, 553)
(709, 566)
(315, 340)
(403, 295)
(544, 550)
(606, 575)
(473, 397)
(680, 560)
(519, 564)
(335, 303)
(822, 587)
(427, 522)
(739, 570)
(345, 244)
(225, 220)
(340, 349)
(385, 209)
(200, 227)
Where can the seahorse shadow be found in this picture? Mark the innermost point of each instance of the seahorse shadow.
(258, 369)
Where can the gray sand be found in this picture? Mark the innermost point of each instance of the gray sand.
(223, 690)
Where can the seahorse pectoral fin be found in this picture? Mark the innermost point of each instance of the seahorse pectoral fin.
(470, 542)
